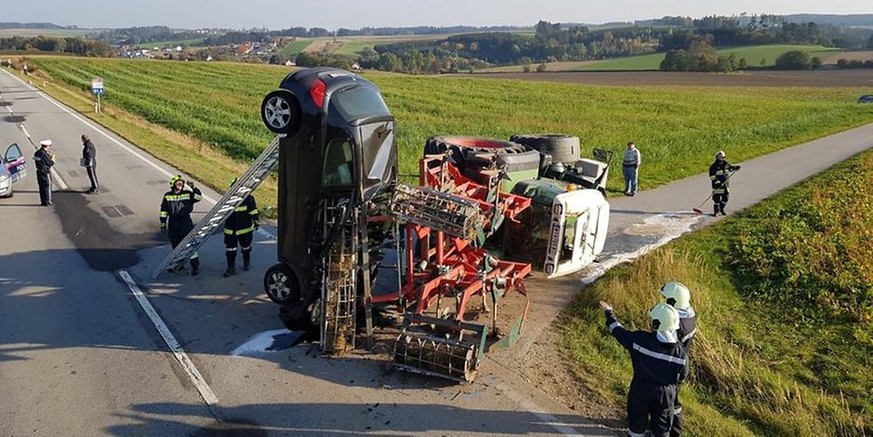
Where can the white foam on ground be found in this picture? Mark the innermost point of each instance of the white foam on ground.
(258, 343)
(669, 226)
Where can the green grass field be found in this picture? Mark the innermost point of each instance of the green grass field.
(756, 56)
(677, 128)
(295, 47)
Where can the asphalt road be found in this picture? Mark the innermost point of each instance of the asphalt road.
(91, 345)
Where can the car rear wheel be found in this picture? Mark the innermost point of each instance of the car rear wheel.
(281, 112)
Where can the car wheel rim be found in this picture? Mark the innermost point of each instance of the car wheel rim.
(278, 286)
(277, 112)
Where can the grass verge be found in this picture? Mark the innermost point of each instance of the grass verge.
(783, 344)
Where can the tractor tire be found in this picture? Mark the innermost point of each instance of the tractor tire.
(461, 147)
(281, 112)
(280, 284)
(563, 148)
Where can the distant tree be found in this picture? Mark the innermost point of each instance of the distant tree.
(763, 60)
(526, 68)
(870, 42)
(541, 68)
(743, 65)
(794, 60)
(816, 63)
(842, 63)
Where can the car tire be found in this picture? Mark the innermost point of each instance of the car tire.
(296, 317)
(281, 285)
(281, 112)
(563, 148)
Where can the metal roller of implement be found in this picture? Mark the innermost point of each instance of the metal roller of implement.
(427, 354)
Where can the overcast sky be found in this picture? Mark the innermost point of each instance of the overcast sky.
(355, 14)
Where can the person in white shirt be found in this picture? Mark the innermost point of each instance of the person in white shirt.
(630, 168)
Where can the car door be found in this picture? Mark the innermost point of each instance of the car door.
(14, 161)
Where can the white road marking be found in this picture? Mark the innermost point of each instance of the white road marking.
(189, 368)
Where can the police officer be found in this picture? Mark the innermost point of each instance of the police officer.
(44, 160)
(678, 296)
(659, 362)
(239, 229)
(719, 174)
(176, 208)
(89, 160)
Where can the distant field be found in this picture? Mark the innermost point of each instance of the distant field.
(355, 44)
(177, 42)
(753, 54)
(295, 47)
(6, 33)
(677, 127)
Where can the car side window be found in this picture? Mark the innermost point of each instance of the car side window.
(338, 164)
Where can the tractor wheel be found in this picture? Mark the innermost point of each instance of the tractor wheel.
(281, 113)
(563, 148)
(460, 147)
(281, 285)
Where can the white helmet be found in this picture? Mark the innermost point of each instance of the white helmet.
(719, 154)
(679, 293)
(664, 318)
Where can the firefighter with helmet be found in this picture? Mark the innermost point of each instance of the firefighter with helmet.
(239, 229)
(659, 362)
(719, 175)
(176, 208)
(678, 296)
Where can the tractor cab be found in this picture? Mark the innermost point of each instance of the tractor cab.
(337, 153)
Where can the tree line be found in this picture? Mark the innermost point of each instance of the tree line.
(70, 45)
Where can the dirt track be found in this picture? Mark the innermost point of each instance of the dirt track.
(822, 78)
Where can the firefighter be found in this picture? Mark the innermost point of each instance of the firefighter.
(44, 160)
(678, 296)
(239, 228)
(659, 362)
(719, 174)
(176, 208)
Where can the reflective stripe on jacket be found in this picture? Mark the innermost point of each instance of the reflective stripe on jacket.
(243, 219)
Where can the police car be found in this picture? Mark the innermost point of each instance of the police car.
(14, 168)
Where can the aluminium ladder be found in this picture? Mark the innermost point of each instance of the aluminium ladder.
(232, 198)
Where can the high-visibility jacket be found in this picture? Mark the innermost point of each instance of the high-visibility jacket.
(719, 175)
(176, 209)
(244, 218)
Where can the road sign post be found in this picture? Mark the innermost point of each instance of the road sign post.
(97, 89)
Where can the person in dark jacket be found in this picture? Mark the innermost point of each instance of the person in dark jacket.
(238, 230)
(659, 362)
(719, 174)
(630, 169)
(678, 296)
(89, 161)
(44, 160)
(176, 208)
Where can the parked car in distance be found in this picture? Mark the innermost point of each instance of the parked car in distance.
(866, 98)
(14, 168)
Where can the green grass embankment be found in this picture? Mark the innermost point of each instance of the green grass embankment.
(784, 297)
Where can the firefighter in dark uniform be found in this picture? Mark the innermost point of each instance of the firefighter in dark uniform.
(44, 160)
(659, 363)
(238, 230)
(678, 296)
(176, 208)
(719, 174)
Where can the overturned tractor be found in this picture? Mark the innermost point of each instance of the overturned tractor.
(354, 243)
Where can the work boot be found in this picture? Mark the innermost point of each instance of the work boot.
(721, 209)
(229, 272)
(195, 266)
(247, 259)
